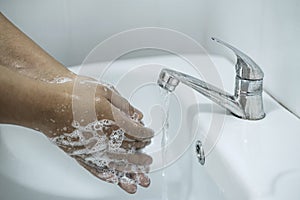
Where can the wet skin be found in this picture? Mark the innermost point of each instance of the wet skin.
(30, 98)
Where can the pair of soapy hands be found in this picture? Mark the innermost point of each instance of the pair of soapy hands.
(102, 132)
(107, 134)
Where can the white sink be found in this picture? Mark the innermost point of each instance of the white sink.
(251, 159)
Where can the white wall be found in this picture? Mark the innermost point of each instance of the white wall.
(267, 30)
(69, 29)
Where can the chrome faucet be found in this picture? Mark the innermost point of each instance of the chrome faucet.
(246, 102)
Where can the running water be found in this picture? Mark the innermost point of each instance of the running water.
(164, 142)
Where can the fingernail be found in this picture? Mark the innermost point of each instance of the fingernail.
(130, 188)
(144, 180)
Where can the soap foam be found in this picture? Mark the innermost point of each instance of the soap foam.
(60, 80)
(92, 146)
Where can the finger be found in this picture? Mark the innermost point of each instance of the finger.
(109, 130)
(121, 166)
(71, 150)
(128, 185)
(127, 143)
(139, 159)
(132, 129)
(120, 102)
(68, 144)
(142, 179)
(134, 144)
(127, 181)
(125, 167)
(103, 174)
(111, 87)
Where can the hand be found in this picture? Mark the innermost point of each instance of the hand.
(106, 143)
(31, 97)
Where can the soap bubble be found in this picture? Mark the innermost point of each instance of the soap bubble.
(96, 147)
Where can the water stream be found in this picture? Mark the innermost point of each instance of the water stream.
(164, 142)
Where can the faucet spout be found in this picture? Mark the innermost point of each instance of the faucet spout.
(246, 102)
(169, 79)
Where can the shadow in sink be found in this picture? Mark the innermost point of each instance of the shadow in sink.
(19, 191)
(210, 119)
(207, 108)
(285, 186)
(269, 104)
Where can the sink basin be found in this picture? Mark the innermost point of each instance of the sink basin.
(32, 166)
(244, 159)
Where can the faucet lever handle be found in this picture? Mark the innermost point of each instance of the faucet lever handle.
(245, 67)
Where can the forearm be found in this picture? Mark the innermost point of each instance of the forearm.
(27, 102)
(19, 53)
(17, 93)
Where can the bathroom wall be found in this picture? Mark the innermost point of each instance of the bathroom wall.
(70, 29)
(267, 30)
